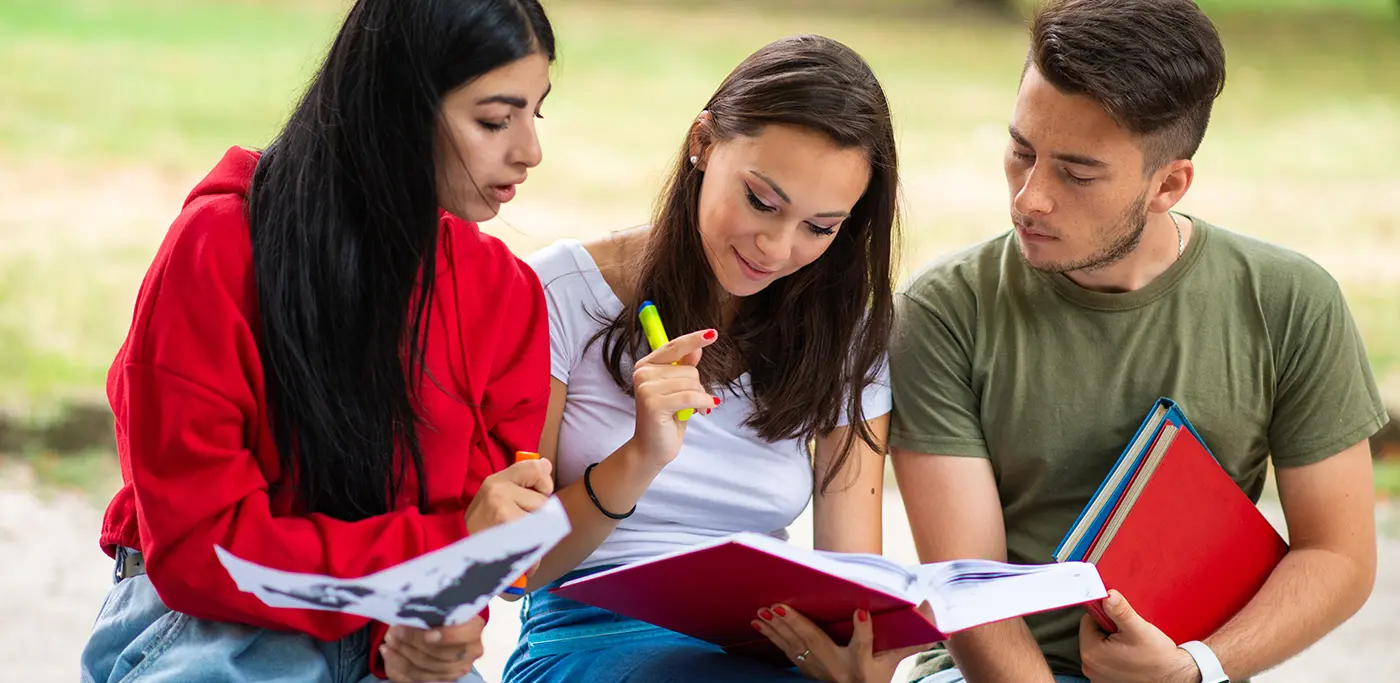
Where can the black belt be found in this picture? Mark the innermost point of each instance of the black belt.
(129, 563)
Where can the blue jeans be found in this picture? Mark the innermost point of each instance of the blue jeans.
(137, 638)
(955, 676)
(562, 640)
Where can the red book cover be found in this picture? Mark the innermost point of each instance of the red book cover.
(713, 593)
(1193, 551)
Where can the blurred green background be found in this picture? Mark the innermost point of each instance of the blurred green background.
(110, 110)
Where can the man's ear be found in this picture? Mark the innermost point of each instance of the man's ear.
(1170, 183)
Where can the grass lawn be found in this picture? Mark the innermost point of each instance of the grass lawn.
(1388, 479)
(92, 474)
(112, 109)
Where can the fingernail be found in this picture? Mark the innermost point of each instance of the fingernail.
(716, 400)
(710, 334)
(389, 638)
(709, 410)
(756, 626)
(781, 612)
(862, 615)
(384, 650)
(433, 636)
(767, 616)
(1114, 598)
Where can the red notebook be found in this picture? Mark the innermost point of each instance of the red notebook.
(1184, 544)
(713, 591)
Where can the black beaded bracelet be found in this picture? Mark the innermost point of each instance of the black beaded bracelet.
(588, 485)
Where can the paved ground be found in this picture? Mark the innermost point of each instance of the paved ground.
(54, 579)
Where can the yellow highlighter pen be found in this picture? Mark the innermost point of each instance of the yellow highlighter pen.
(518, 588)
(656, 337)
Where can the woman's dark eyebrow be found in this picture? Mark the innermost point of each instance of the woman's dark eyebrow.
(786, 199)
(773, 186)
(513, 100)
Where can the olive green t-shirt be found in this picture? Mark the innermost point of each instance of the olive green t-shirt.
(993, 359)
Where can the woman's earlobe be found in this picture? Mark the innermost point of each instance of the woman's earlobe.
(699, 134)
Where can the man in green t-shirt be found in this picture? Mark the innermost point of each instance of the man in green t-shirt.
(1022, 366)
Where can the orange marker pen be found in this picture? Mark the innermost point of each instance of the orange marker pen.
(518, 588)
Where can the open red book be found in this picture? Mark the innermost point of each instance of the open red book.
(1173, 533)
(712, 592)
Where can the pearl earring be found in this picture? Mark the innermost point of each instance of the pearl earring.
(694, 159)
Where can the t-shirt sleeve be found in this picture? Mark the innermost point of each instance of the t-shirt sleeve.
(875, 399)
(935, 404)
(1326, 398)
(563, 288)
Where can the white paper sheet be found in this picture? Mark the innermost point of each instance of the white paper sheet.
(445, 587)
(968, 593)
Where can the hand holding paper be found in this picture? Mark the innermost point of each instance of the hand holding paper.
(440, 654)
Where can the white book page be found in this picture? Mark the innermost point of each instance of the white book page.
(445, 587)
(968, 593)
(872, 571)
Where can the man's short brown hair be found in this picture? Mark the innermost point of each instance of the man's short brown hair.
(1156, 66)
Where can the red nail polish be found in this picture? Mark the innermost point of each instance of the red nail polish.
(767, 616)
(781, 612)
(710, 334)
(862, 615)
(716, 400)
(756, 626)
(709, 410)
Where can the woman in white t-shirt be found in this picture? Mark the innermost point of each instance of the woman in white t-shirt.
(771, 247)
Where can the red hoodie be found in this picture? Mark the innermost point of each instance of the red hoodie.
(196, 448)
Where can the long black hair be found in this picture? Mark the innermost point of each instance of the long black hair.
(343, 212)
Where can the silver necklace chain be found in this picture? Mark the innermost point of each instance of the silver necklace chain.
(1180, 241)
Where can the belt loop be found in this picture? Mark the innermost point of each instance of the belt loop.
(121, 561)
(129, 563)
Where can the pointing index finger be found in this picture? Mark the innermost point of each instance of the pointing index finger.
(678, 349)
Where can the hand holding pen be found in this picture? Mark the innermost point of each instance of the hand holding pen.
(667, 387)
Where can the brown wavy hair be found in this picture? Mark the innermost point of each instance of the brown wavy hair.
(813, 339)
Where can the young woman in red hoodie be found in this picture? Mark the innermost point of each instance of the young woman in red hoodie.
(330, 367)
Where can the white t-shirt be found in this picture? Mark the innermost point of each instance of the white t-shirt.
(726, 478)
